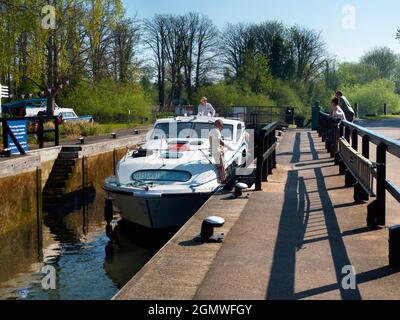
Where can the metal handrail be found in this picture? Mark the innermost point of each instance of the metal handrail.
(266, 153)
(337, 136)
(392, 145)
(362, 168)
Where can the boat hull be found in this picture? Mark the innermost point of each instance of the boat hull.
(167, 211)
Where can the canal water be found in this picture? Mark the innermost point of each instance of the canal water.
(90, 261)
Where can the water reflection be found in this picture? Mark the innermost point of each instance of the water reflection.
(130, 248)
(90, 261)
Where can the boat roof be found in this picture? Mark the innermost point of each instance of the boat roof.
(196, 119)
(23, 103)
(64, 110)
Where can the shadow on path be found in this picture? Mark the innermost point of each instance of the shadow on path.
(293, 225)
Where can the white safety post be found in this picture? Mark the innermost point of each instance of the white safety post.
(3, 94)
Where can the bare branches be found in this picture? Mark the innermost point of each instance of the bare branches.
(184, 49)
(293, 53)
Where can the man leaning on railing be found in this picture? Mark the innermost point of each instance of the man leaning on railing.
(345, 105)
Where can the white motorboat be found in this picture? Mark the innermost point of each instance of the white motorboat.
(164, 182)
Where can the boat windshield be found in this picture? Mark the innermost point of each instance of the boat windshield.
(189, 130)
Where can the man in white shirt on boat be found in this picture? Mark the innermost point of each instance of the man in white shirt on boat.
(205, 109)
(217, 146)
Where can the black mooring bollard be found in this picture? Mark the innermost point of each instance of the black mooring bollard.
(394, 246)
(207, 230)
(239, 187)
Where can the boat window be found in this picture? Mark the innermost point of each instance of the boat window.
(202, 130)
(170, 130)
(186, 130)
(227, 132)
(68, 115)
(162, 175)
(239, 132)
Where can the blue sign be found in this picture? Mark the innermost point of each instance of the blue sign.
(20, 130)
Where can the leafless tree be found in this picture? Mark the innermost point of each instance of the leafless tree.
(207, 50)
(200, 50)
(155, 37)
(235, 41)
(293, 53)
(308, 53)
(175, 54)
(126, 36)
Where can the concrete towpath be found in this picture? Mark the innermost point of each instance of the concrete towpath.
(293, 240)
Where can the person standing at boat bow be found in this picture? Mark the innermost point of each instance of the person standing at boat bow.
(205, 109)
(217, 146)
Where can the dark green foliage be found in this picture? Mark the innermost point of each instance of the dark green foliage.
(107, 99)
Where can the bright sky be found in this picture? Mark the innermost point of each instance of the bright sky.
(375, 23)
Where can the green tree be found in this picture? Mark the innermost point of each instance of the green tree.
(383, 59)
(254, 74)
(372, 96)
(350, 74)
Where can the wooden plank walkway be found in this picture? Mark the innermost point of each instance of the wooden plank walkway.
(293, 240)
(289, 242)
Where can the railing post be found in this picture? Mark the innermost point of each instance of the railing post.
(365, 147)
(323, 126)
(347, 134)
(341, 130)
(356, 110)
(270, 143)
(335, 139)
(360, 195)
(40, 133)
(350, 181)
(260, 160)
(320, 124)
(327, 135)
(274, 140)
(354, 139)
(377, 209)
(56, 133)
(266, 163)
(342, 167)
(381, 184)
(338, 160)
(5, 134)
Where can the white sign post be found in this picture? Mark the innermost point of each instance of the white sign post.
(3, 94)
